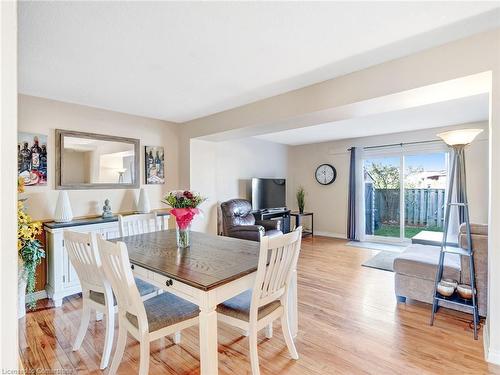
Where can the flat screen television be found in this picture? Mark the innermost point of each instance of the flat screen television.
(268, 193)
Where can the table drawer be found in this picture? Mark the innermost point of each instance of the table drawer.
(176, 287)
(140, 271)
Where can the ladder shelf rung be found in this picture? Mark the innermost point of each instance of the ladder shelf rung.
(456, 250)
(456, 300)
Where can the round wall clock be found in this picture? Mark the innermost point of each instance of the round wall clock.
(325, 174)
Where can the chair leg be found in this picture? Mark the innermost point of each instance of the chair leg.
(84, 325)
(177, 337)
(108, 340)
(287, 334)
(120, 348)
(144, 358)
(254, 354)
(269, 331)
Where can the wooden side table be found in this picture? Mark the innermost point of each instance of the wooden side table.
(298, 222)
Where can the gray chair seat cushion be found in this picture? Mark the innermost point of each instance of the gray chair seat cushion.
(144, 288)
(239, 307)
(165, 310)
(421, 261)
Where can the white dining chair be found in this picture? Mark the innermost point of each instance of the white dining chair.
(130, 225)
(96, 290)
(256, 309)
(146, 321)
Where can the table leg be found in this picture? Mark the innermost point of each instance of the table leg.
(292, 305)
(208, 341)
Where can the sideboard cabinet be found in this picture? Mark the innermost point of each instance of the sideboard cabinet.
(62, 280)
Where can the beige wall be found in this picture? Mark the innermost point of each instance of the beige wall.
(42, 116)
(476, 54)
(223, 171)
(329, 203)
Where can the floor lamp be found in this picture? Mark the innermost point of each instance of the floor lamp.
(457, 140)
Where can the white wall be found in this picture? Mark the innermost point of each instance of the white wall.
(8, 187)
(223, 170)
(43, 116)
(329, 203)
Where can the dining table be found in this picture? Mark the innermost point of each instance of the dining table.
(211, 270)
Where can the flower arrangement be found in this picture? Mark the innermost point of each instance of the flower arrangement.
(184, 205)
(28, 246)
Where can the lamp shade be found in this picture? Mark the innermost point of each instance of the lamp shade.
(459, 137)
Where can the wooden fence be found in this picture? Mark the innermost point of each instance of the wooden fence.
(423, 207)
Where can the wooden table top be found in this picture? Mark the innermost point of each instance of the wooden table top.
(209, 262)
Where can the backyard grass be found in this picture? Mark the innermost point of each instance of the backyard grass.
(393, 230)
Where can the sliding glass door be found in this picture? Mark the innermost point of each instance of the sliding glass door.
(383, 196)
(404, 193)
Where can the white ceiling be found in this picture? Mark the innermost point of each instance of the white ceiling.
(452, 112)
(183, 60)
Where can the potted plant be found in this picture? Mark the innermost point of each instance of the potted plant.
(30, 252)
(301, 194)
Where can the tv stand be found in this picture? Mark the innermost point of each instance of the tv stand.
(283, 215)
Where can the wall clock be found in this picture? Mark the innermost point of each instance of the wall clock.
(325, 174)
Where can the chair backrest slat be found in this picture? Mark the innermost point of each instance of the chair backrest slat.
(277, 260)
(84, 257)
(116, 265)
(137, 224)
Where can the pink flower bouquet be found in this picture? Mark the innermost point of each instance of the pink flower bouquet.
(184, 205)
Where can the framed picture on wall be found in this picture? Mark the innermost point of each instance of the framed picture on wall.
(154, 158)
(32, 158)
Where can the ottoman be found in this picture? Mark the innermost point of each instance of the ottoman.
(415, 271)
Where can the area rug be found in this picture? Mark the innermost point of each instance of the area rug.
(382, 261)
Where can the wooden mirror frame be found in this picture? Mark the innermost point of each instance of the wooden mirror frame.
(59, 142)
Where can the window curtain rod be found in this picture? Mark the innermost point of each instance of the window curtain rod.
(399, 144)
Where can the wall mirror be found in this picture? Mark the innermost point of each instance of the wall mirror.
(96, 161)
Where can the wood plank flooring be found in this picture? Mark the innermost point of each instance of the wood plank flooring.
(349, 323)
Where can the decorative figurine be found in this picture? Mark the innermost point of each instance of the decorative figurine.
(106, 210)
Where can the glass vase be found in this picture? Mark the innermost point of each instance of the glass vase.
(183, 236)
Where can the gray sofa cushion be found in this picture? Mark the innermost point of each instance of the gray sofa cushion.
(144, 288)
(165, 310)
(421, 261)
(239, 307)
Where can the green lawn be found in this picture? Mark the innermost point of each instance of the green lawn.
(393, 230)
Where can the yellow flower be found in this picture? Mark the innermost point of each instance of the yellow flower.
(20, 185)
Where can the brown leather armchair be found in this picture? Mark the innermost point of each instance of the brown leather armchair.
(239, 222)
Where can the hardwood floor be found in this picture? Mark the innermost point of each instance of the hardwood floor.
(349, 323)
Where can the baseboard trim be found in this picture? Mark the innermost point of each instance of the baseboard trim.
(490, 355)
(330, 234)
(41, 294)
